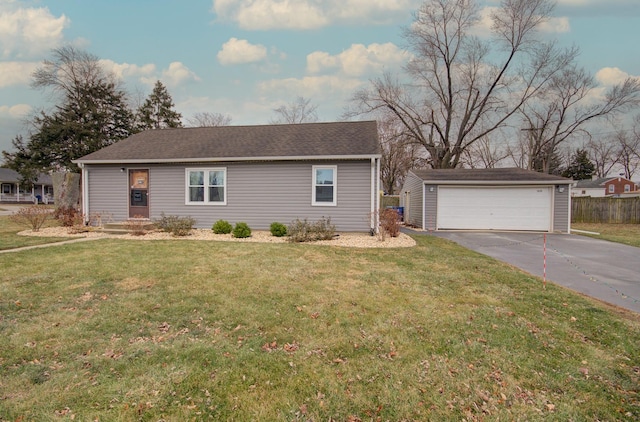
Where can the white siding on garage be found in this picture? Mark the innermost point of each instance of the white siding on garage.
(494, 208)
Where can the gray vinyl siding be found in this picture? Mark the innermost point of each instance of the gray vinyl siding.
(562, 210)
(431, 207)
(257, 193)
(413, 185)
(108, 193)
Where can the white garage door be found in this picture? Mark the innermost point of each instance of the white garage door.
(494, 208)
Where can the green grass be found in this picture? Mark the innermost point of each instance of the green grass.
(10, 240)
(629, 234)
(188, 330)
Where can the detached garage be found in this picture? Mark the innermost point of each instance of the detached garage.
(507, 199)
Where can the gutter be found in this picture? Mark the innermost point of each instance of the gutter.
(226, 159)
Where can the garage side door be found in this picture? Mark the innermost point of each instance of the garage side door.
(494, 208)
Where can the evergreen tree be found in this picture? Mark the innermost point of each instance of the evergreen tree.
(581, 167)
(97, 117)
(157, 111)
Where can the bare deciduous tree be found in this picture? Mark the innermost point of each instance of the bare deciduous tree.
(602, 152)
(208, 119)
(560, 111)
(399, 155)
(484, 154)
(628, 149)
(299, 111)
(70, 72)
(463, 88)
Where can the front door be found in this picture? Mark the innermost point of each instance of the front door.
(139, 194)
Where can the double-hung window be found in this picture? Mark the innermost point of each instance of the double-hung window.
(325, 185)
(206, 186)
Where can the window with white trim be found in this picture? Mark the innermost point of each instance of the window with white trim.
(612, 188)
(325, 185)
(206, 186)
(627, 188)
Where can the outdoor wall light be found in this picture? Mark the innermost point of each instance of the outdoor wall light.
(560, 189)
(121, 169)
(431, 189)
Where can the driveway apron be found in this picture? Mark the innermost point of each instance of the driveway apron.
(603, 270)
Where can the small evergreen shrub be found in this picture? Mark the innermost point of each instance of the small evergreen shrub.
(304, 231)
(241, 230)
(278, 229)
(177, 226)
(222, 227)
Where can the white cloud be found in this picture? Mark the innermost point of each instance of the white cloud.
(15, 112)
(16, 73)
(359, 59)
(315, 87)
(126, 70)
(556, 25)
(178, 73)
(610, 76)
(25, 32)
(237, 51)
(551, 25)
(310, 14)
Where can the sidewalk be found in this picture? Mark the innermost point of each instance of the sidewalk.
(46, 245)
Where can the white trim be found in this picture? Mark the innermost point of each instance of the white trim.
(206, 171)
(228, 159)
(85, 192)
(334, 203)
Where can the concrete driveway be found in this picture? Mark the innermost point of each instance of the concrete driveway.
(8, 209)
(604, 270)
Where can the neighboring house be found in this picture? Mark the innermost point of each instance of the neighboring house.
(252, 174)
(604, 186)
(11, 191)
(486, 199)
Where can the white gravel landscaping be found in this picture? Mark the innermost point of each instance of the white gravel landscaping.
(353, 240)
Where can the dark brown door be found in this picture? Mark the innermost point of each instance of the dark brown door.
(139, 194)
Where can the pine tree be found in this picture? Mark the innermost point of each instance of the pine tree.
(581, 167)
(157, 111)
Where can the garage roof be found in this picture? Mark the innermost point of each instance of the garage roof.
(511, 175)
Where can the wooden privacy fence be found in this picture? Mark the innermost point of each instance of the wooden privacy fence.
(605, 210)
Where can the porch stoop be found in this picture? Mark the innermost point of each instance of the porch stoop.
(126, 227)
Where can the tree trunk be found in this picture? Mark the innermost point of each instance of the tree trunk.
(66, 190)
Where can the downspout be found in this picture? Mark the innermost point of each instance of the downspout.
(85, 192)
(378, 181)
(372, 220)
(424, 206)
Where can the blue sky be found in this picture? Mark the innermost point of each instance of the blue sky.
(246, 57)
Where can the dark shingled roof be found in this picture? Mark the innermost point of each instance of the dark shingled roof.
(339, 139)
(594, 183)
(12, 176)
(512, 174)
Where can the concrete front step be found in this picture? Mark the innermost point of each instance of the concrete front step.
(125, 227)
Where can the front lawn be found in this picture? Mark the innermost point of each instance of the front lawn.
(629, 234)
(198, 330)
(10, 240)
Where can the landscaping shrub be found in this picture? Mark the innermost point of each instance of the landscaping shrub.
(69, 216)
(304, 231)
(222, 227)
(33, 216)
(390, 221)
(177, 226)
(241, 230)
(278, 229)
(137, 226)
